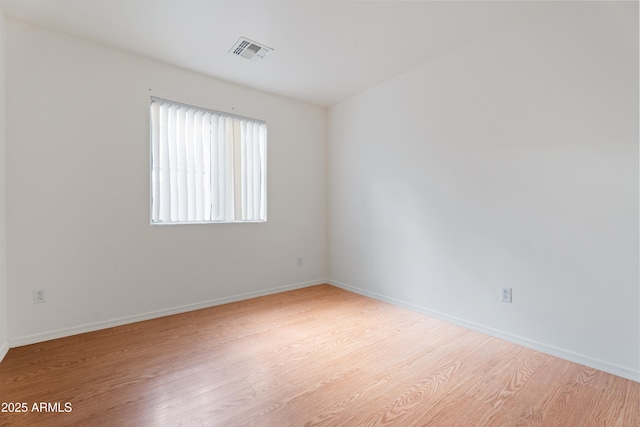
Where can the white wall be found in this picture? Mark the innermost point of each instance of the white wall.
(78, 192)
(4, 331)
(511, 162)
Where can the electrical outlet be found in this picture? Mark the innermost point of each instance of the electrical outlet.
(39, 296)
(505, 295)
(299, 261)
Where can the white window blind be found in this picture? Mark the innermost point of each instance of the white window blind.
(206, 166)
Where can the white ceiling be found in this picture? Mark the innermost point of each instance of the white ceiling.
(325, 51)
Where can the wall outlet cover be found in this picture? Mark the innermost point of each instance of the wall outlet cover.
(505, 294)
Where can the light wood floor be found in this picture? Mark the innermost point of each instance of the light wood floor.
(315, 356)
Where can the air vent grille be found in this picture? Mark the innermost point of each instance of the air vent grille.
(249, 49)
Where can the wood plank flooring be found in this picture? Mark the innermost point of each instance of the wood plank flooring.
(314, 356)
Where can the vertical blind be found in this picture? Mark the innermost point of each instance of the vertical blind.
(206, 166)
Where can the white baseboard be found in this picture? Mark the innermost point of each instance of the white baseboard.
(4, 349)
(581, 359)
(90, 327)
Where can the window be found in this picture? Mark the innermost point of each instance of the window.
(206, 166)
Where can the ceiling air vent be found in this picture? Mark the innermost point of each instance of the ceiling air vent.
(249, 49)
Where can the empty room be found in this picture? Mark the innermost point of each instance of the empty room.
(337, 213)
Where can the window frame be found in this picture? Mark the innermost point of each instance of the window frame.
(237, 163)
